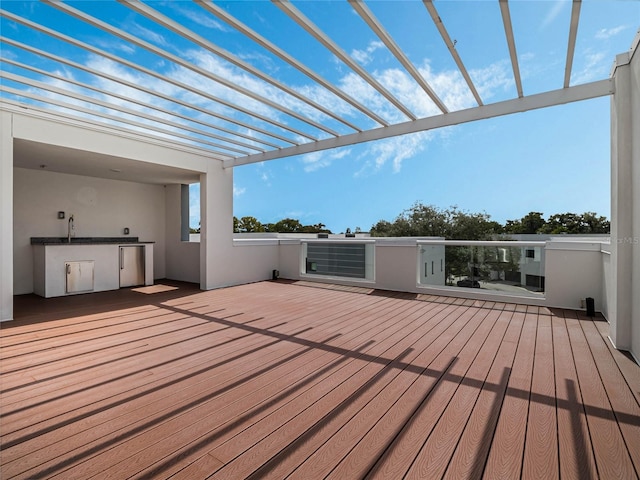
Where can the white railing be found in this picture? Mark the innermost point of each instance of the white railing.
(507, 268)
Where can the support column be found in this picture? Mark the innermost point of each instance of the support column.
(6, 216)
(216, 227)
(624, 304)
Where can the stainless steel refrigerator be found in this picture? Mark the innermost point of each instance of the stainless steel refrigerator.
(131, 265)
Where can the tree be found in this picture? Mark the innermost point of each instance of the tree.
(532, 222)
(586, 223)
(287, 225)
(250, 225)
(470, 226)
(430, 221)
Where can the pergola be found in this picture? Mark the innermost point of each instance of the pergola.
(176, 86)
(225, 118)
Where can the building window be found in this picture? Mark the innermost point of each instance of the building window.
(530, 253)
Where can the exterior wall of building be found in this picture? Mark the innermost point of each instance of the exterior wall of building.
(635, 159)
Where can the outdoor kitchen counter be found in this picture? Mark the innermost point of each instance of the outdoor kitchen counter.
(54, 257)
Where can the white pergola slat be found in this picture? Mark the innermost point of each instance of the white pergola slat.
(248, 125)
(508, 31)
(573, 33)
(112, 118)
(451, 47)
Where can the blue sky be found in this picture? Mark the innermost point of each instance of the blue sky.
(554, 160)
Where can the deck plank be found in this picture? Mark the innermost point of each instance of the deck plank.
(574, 443)
(507, 447)
(541, 455)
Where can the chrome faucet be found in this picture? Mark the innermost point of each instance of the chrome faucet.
(70, 228)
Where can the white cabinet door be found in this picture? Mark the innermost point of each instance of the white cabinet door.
(79, 276)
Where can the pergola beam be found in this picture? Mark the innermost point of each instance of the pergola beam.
(532, 102)
(573, 33)
(165, 134)
(508, 30)
(452, 49)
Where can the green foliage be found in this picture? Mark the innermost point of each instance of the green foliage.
(286, 225)
(572, 223)
(247, 224)
(452, 223)
(429, 221)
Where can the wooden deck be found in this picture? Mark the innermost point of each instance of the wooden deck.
(296, 380)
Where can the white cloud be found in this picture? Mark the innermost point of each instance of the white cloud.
(365, 56)
(452, 89)
(554, 11)
(154, 37)
(606, 33)
(111, 45)
(394, 150)
(237, 191)
(317, 160)
(594, 67)
(201, 18)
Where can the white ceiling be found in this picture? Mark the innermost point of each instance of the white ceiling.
(52, 158)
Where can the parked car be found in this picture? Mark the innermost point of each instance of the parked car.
(467, 282)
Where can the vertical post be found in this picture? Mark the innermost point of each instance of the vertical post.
(216, 227)
(624, 299)
(6, 216)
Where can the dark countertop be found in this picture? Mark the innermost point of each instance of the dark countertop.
(83, 240)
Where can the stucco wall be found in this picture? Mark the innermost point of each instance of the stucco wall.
(573, 272)
(100, 207)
